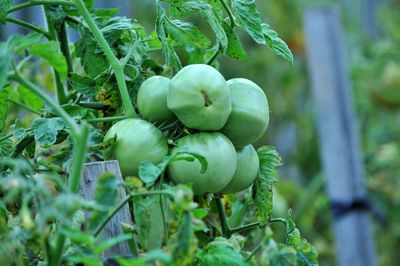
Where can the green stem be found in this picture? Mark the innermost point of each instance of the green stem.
(25, 107)
(244, 227)
(226, 231)
(93, 105)
(74, 179)
(63, 39)
(214, 56)
(162, 210)
(125, 201)
(255, 250)
(229, 12)
(78, 158)
(29, 26)
(69, 122)
(61, 95)
(106, 119)
(9, 135)
(114, 62)
(39, 2)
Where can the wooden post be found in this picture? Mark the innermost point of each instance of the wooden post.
(338, 136)
(369, 17)
(91, 173)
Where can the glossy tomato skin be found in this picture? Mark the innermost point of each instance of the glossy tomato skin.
(221, 158)
(199, 96)
(250, 113)
(152, 99)
(137, 140)
(247, 169)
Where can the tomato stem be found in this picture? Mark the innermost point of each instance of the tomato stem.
(125, 201)
(61, 94)
(114, 62)
(39, 2)
(106, 119)
(29, 26)
(226, 231)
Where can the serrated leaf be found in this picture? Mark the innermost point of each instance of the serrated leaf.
(235, 48)
(277, 254)
(4, 94)
(248, 17)
(211, 15)
(83, 84)
(276, 43)
(307, 254)
(184, 242)
(262, 189)
(168, 51)
(6, 147)
(186, 33)
(5, 5)
(106, 194)
(50, 52)
(45, 130)
(220, 252)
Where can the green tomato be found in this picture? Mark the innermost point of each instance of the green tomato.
(220, 154)
(152, 99)
(250, 113)
(247, 168)
(137, 140)
(199, 96)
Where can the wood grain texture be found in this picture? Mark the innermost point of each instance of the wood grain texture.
(338, 134)
(91, 173)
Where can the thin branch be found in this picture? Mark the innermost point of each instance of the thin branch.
(226, 231)
(125, 201)
(39, 2)
(106, 119)
(29, 26)
(229, 12)
(25, 107)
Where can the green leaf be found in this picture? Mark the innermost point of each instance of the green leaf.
(307, 254)
(187, 34)
(18, 44)
(276, 43)
(248, 17)
(170, 56)
(106, 12)
(211, 14)
(5, 59)
(262, 189)
(106, 194)
(19, 133)
(220, 252)
(50, 52)
(5, 5)
(184, 242)
(80, 112)
(4, 93)
(45, 130)
(149, 173)
(235, 48)
(149, 258)
(277, 254)
(6, 147)
(83, 84)
(28, 98)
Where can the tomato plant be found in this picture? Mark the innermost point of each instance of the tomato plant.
(174, 169)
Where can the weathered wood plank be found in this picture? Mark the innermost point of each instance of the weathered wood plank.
(91, 173)
(338, 136)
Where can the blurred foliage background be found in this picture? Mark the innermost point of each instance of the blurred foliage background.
(375, 72)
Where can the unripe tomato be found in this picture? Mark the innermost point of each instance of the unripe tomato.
(221, 158)
(247, 168)
(137, 140)
(199, 96)
(250, 113)
(152, 99)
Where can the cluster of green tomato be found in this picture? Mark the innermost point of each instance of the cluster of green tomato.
(228, 115)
